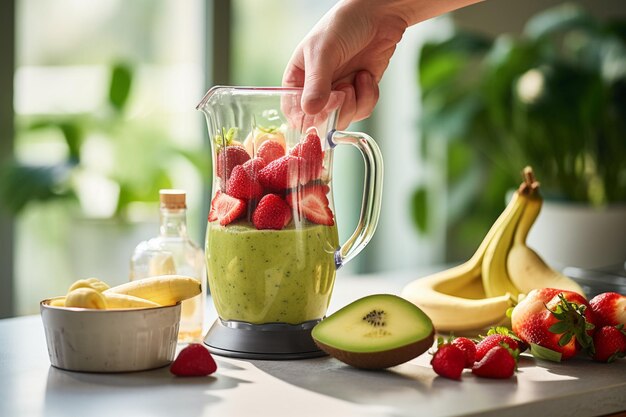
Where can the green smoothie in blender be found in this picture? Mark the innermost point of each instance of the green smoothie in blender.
(261, 276)
(271, 238)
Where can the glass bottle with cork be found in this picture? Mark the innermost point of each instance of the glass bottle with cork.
(173, 252)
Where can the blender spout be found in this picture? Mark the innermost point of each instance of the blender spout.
(202, 105)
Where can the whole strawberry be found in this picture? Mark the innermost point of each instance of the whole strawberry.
(193, 360)
(491, 341)
(499, 362)
(556, 323)
(448, 361)
(243, 182)
(282, 173)
(468, 347)
(270, 151)
(310, 150)
(609, 309)
(609, 343)
(228, 158)
(272, 212)
(496, 336)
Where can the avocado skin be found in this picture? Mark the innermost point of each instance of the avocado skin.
(383, 359)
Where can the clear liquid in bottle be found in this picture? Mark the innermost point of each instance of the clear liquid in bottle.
(173, 252)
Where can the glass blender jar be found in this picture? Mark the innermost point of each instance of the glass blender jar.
(272, 246)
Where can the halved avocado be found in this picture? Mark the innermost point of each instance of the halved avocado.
(375, 332)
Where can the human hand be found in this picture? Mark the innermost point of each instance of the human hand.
(349, 50)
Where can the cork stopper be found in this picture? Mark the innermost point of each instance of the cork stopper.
(172, 199)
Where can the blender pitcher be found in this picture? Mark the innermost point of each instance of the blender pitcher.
(272, 246)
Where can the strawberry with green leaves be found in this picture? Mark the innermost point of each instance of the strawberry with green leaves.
(495, 337)
(448, 360)
(556, 323)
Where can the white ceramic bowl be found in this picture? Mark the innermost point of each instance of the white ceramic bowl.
(110, 340)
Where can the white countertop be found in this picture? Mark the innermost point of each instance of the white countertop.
(29, 386)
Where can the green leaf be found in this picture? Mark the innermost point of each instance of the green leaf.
(73, 134)
(21, 184)
(225, 137)
(559, 327)
(419, 209)
(442, 61)
(618, 29)
(541, 352)
(507, 61)
(120, 85)
(566, 338)
(460, 158)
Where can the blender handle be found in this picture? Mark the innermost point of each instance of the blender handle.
(372, 192)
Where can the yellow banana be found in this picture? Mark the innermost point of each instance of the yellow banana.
(163, 289)
(526, 268)
(57, 301)
(456, 299)
(495, 277)
(93, 283)
(116, 301)
(85, 297)
(457, 302)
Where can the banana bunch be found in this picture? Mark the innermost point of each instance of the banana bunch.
(145, 293)
(477, 293)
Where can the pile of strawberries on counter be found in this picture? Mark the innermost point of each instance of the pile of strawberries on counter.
(552, 324)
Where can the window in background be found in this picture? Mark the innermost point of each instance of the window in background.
(105, 96)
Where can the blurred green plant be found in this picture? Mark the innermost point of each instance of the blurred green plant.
(553, 98)
(141, 153)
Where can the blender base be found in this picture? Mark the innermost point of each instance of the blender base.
(274, 341)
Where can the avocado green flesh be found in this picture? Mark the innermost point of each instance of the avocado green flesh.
(401, 323)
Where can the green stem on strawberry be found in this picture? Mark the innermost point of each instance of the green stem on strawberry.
(225, 138)
(571, 323)
(507, 332)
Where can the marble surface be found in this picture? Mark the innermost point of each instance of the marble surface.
(29, 386)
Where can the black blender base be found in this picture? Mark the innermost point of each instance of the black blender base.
(275, 341)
